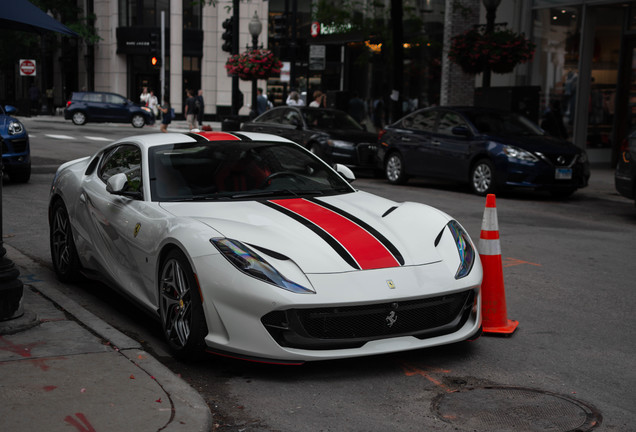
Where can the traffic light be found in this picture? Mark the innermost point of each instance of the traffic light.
(155, 62)
(228, 25)
(280, 27)
(154, 43)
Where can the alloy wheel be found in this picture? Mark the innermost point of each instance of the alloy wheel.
(176, 304)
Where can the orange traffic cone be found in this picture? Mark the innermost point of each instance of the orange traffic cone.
(493, 297)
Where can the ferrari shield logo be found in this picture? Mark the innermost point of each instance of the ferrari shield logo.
(137, 228)
(390, 284)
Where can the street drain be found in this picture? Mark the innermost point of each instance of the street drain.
(502, 409)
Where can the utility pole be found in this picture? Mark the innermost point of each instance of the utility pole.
(398, 58)
(237, 96)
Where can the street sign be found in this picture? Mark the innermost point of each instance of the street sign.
(315, 29)
(317, 57)
(27, 67)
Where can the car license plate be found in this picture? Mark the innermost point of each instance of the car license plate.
(563, 174)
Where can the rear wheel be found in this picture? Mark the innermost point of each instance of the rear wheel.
(394, 169)
(482, 178)
(79, 118)
(182, 318)
(138, 121)
(63, 253)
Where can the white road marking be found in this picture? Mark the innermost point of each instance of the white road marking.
(60, 137)
(94, 138)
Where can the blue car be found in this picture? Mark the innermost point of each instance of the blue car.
(16, 153)
(489, 149)
(85, 107)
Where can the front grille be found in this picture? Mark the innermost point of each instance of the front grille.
(353, 326)
(366, 153)
(17, 146)
(561, 160)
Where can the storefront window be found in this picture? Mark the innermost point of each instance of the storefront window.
(555, 66)
(142, 13)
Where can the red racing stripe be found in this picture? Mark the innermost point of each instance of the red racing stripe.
(218, 136)
(368, 252)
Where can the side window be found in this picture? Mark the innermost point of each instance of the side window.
(422, 121)
(292, 117)
(123, 159)
(448, 121)
(114, 99)
(272, 116)
(92, 97)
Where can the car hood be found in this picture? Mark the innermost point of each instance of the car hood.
(545, 144)
(355, 231)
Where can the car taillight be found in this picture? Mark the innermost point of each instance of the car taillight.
(68, 103)
(381, 134)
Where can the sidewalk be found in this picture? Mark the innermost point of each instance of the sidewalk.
(174, 126)
(64, 369)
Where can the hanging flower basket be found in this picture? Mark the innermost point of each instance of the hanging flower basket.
(501, 51)
(254, 64)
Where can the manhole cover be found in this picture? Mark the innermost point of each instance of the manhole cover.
(502, 409)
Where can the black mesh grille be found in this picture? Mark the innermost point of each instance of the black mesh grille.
(17, 146)
(349, 326)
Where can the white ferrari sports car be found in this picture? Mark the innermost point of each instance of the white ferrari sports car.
(248, 245)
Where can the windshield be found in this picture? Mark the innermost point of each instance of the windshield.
(502, 123)
(330, 119)
(226, 170)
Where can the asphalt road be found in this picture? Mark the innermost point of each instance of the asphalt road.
(568, 272)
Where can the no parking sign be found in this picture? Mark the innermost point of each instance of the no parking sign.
(27, 67)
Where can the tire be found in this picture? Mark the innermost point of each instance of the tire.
(482, 178)
(20, 175)
(79, 118)
(394, 169)
(180, 308)
(138, 121)
(63, 252)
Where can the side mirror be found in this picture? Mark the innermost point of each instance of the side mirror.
(116, 184)
(10, 109)
(461, 131)
(345, 172)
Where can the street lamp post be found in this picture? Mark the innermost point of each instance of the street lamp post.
(255, 27)
(491, 13)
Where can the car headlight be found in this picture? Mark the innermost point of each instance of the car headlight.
(250, 263)
(340, 144)
(520, 154)
(145, 108)
(15, 127)
(464, 248)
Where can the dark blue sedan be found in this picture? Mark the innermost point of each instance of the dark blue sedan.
(97, 107)
(16, 153)
(489, 149)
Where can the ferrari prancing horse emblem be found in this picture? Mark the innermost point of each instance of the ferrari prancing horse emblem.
(137, 228)
(390, 284)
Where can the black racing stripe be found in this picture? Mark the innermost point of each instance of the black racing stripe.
(243, 137)
(319, 231)
(196, 137)
(375, 233)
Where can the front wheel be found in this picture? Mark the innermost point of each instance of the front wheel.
(182, 318)
(394, 169)
(79, 118)
(482, 178)
(138, 121)
(63, 253)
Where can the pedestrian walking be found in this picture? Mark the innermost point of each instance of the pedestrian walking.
(143, 98)
(166, 114)
(190, 110)
(294, 99)
(200, 107)
(153, 103)
(262, 104)
(320, 100)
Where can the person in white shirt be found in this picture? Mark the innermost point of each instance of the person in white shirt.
(153, 102)
(144, 96)
(294, 99)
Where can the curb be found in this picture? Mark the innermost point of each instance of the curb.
(190, 411)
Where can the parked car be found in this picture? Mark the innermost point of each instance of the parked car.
(489, 149)
(625, 174)
(329, 133)
(16, 152)
(249, 246)
(85, 107)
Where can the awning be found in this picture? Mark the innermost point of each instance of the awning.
(23, 15)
